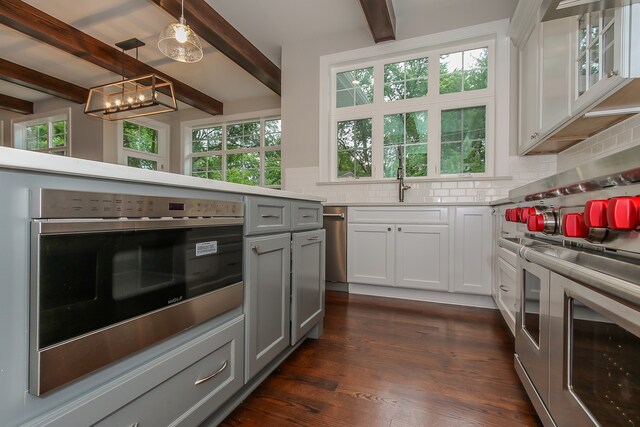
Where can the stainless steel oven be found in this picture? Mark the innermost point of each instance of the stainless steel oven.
(112, 274)
(578, 310)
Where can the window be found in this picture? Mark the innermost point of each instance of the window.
(143, 144)
(595, 47)
(47, 134)
(244, 152)
(463, 71)
(391, 123)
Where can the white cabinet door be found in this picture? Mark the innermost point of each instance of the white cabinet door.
(370, 254)
(307, 282)
(555, 83)
(422, 257)
(529, 91)
(473, 250)
(267, 301)
(506, 292)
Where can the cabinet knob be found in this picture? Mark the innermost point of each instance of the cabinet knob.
(388, 228)
(399, 228)
(503, 288)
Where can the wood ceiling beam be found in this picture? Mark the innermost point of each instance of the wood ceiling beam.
(16, 105)
(381, 19)
(210, 26)
(27, 19)
(41, 82)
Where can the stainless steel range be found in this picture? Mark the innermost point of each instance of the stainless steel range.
(578, 303)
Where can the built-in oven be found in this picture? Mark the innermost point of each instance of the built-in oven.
(112, 274)
(595, 341)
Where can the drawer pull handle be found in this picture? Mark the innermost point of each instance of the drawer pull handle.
(307, 216)
(200, 381)
(330, 215)
(313, 238)
(270, 216)
(503, 288)
(257, 249)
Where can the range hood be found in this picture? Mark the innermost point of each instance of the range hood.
(556, 9)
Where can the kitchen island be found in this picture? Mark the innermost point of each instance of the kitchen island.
(153, 386)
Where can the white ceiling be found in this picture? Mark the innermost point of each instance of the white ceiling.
(268, 24)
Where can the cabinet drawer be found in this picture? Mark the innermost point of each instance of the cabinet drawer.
(510, 257)
(399, 215)
(267, 215)
(194, 393)
(306, 215)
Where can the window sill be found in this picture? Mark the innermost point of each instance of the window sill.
(414, 180)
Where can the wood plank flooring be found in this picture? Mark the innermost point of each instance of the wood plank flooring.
(395, 363)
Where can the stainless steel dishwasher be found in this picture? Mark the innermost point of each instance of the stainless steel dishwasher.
(335, 225)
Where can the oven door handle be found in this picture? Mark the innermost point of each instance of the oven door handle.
(110, 225)
(593, 278)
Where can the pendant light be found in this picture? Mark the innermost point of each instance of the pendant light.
(179, 42)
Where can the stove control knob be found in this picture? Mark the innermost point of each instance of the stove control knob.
(573, 225)
(595, 213)
(518, 215)
(624, 213)
(535, 223)
(507, 215)
(526, 213)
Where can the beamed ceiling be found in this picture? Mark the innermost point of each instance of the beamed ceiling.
(61, 48)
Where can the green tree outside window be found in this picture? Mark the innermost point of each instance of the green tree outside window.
(140, 138)
(463, 140)
(405, 136)
(406, 79)
(354, 148)
(464, 71)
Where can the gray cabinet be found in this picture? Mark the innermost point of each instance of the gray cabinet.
(267, 301)
(305, 215)
(191, 395)
(307, 282)
(267, 215)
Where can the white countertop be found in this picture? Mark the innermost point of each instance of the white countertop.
(11, 158)
(398, 204)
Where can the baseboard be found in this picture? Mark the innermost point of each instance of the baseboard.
(484, 301)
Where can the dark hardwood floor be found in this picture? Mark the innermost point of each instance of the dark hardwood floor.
(395, 363)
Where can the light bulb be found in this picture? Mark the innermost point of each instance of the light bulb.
(141, 97)
(117, 102)
(130, 100)
(181, 33)
(107, 105)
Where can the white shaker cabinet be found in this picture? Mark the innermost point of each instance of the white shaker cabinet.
(529, 98)
(404, 247)
(371, 254)
(473, 250)
(422, 257)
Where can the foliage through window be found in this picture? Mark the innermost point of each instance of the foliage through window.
(405, 137)
(354, 148)
(406, 79)
(354, 87)
(244, 153)
(48, 135)
(143, 144)
(463, 71)
(387, 132)
(463, 136)
(142, 139)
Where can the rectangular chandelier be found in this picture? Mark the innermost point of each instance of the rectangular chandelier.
(136, 97)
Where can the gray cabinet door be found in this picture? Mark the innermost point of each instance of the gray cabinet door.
(267, 302)
(307, 282)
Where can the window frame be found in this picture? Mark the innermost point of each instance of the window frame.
(162, 158)
(224, 121)
(19, 126)
(502, 68)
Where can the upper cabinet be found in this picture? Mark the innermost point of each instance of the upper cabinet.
(571, 71)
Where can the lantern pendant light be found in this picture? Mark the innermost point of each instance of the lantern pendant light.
(179, 42)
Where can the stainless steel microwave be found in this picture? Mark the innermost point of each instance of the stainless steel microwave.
(112, 274)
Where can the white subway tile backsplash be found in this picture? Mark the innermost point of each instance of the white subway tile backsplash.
(452, 184)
